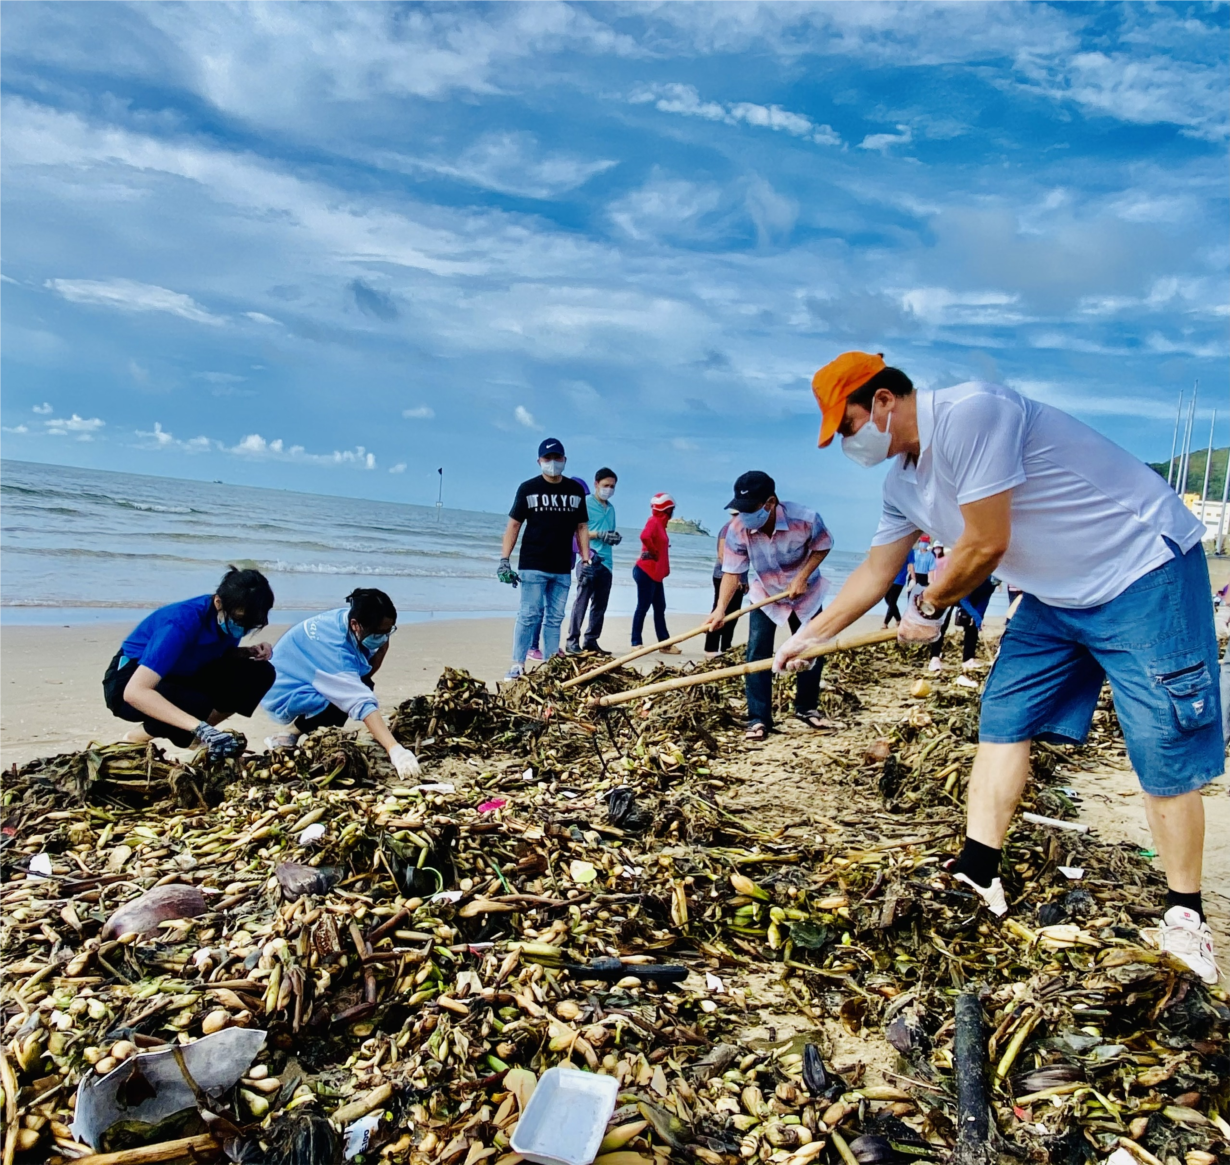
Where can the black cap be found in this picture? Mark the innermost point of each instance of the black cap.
(752, 490)
(552, 446)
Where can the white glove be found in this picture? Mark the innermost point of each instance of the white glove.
(787, 659)
(915, 628)
(404, 761)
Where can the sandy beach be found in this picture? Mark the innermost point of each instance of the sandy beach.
(52, 676)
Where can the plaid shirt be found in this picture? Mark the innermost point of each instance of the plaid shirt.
(774, 560)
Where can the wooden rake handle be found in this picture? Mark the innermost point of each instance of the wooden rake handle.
(849, 644)
(611, 665)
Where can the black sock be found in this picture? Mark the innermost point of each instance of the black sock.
(1189, 901)
(978, 862)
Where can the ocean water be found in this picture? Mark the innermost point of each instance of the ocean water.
(82, 545)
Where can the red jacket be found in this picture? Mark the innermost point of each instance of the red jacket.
(655, 559)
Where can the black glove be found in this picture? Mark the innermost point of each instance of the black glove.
(506, 574)
(219, 743)
(585, 571)
(613, 538)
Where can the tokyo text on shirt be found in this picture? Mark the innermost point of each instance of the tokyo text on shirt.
(1088, 518)
(551, 514)
(319, 663)
(774, 559)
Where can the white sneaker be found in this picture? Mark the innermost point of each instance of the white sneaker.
(1183, 935)
(966, 682)
(992, 895)
(514, 673)
(973, 665)
(936, 664)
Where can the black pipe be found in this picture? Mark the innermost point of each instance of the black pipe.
(969, 1058)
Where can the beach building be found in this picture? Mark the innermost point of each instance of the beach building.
(1212, 514)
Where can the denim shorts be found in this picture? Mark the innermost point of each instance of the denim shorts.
(1155, 643)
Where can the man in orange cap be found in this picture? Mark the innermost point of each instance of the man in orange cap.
(1122, 594)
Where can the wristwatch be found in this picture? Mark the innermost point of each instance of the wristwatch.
(927, 609)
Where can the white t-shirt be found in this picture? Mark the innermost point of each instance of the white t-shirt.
(1088, 518)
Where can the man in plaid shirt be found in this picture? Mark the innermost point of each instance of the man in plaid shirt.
(779, 546)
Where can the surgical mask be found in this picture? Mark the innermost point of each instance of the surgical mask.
(229, 627)
(868, 446)
(755, 521)
(605, 492)
(553, 468)
(373, 643)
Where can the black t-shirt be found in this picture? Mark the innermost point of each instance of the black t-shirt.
(551, 514)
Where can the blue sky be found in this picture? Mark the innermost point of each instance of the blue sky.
(331, 247)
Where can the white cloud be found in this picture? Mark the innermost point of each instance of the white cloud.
(666, 207)
(219, 377)
(525, 417)
(256, 446)
(260, 317)
(16, 429)
(1144, 91)
(43, 410)
(128, 295)
(420, 413)
(400, 467)
(686, 100)
(939, 305)
(885, 141)
(138, 372)
(85, 427)
(158, 436)
(513, 163)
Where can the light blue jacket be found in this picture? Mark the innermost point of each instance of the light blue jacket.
(320, 663)
(601, 520)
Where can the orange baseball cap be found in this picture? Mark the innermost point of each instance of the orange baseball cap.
(836, 381)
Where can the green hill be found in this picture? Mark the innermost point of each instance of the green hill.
(1195, 471)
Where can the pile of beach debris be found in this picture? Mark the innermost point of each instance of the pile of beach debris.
(291, 958)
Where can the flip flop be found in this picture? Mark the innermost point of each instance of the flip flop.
(756, 731)
(815, 720)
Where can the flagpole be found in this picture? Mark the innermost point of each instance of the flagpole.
(1208, 464)
(1174, 440)
(440, 495)
(1185, 456)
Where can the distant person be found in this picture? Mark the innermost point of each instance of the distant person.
(651, 570)
(181, 671)
(326, 666)
(535, 651)
(551, 507)
(779, 546)
(924, 562)
(717, 642)
(895, 588)
(594, 592)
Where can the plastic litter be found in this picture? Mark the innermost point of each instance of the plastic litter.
(566, 1118)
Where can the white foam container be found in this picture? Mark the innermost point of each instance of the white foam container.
(566, 1118)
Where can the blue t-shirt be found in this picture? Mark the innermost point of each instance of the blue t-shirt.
(179, 639)
(903, 573)
(924, 562)
(601, 519)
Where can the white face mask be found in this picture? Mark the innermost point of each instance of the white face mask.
(869, 446)
(605, 492)
(553, 468)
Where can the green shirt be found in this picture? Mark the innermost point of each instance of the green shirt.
(601, 519)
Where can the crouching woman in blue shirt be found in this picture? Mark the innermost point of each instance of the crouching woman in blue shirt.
(181, 671)
(325, 666)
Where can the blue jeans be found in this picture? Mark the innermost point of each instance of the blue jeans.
(544, 596)
(1155, 643)
(649, 593)
(761, 631)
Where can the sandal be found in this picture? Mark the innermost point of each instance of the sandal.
(813, 719)
(756, 731)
